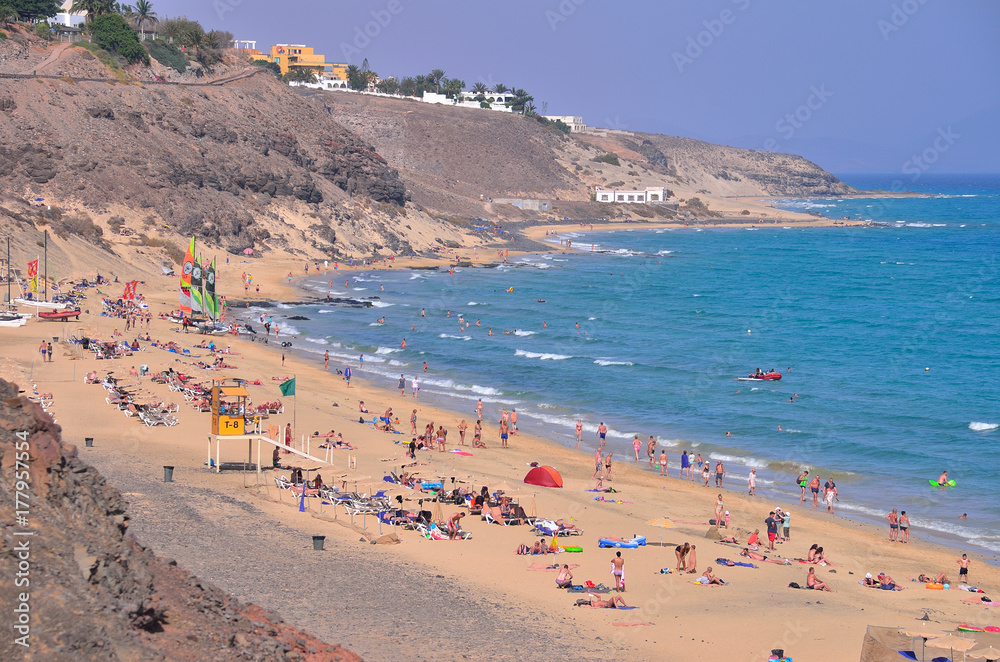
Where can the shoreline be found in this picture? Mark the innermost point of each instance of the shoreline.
(563, 439)
(752, 626)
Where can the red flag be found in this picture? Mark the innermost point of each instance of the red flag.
(130, 290)
(33, 268)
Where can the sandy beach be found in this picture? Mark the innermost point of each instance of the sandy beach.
(426, 599)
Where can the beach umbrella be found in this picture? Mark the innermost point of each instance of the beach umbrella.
(924, 632)
(532, 508)
(437, 513)
(989, 653)
(952, 642)
(248, 251)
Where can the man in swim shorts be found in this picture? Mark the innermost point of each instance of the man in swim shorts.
(503, 433)
(814, 488)
(602, 433)
(963, 569)
(453, 523)
(772, 530)
(893, 525)
(598, 465)
(651, 450)
(720, 472)
(904, 527)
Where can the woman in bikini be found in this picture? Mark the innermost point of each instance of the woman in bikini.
(681, 552)
(636, 445)
(759, 557)
(607, 466)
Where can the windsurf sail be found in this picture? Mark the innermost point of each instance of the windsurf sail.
(186, 269)
(197, 291)
(211, 302)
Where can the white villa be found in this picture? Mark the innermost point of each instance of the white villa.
(575, 122)
(496, 101)
(66, 18)
(650, 194)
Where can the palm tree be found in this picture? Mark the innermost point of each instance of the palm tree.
(529, 109)
(435, 77)
(500, 88)
(92, 8)
(7, 13)
(144, 14)
(479, 88)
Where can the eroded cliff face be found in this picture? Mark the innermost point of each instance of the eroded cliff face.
(91, 591)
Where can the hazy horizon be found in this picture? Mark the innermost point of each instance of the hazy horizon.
(899, 86)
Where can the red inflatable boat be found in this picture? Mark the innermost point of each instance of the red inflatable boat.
(59, 314)
(764, 376)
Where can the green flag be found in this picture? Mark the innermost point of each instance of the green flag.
(287, 388)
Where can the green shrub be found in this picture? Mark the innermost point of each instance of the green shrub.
(3, 36)
(101, 54)
(168, 55)
(44, 31)
(610, 159)
(270, 66)
(113, 34)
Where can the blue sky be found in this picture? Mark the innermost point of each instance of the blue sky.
(854, 85)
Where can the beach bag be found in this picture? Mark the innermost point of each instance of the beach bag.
(794, 585)
(523, 550)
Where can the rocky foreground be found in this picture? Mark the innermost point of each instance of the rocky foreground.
(90, 590)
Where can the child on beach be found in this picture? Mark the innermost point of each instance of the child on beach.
(963, 569)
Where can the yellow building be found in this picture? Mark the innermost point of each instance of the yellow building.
(298, 56)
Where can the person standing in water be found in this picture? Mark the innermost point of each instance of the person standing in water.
(636, 445)
(579, 433)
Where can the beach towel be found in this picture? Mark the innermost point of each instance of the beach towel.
(556, 567)
(584, 589)
(625, 625)
(895, 588)
(731, 564)
(977, 601)
(459, 452)
(618, 501)
(610, 490)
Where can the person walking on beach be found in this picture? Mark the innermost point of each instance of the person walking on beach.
(636, 445)
(904, 527)
(651, 450)
(413, 422)
(720, 473)
(663, 462)
(706, 473)
(579, 433)
(829, 494)
(893, 525)
(772, 530)
(602, 433)
(326, 360)
(752, 482)
(416, 386)
(513, 421)
(598, 465)
(51, 354)
(288, 435)
(814, 488)
(402, 386)
(802, 481)
(347, 376)
(686, 465)
(462, 427)
(43, 348)
(479, 410)
(607, 466)
(618, 571)
(503, 433)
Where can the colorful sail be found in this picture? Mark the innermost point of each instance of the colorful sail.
(197, 293)
(187, 268)
(211, 302)
(33, 276)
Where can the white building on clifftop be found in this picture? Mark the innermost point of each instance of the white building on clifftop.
(650, 194)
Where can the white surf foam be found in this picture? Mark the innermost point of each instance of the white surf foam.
(381, 304)
(448, 335)
(605, 362)
(519, 332)
(745, 461)
(983, 427)
(387, 350)
(544, 356)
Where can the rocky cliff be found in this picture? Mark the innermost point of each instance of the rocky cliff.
(89, 590)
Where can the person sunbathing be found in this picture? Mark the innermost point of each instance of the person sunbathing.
(817, 556)
(886, 582)
(361, 407)
(815, 584)
(759, 557)
(536, 549)
(940, 578)
(708, 578)
(613, 602)
(566, 527)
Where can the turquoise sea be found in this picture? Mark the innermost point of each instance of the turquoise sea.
(887, 338)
